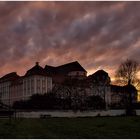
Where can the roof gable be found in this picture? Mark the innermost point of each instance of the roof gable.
(9, 77)
(66, 68)
(36, 70)
(99, 77)
(73, 66)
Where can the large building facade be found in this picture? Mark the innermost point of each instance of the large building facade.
(68, 80)
(61, 73)
(96, 85)
(37, 80)
(5, 86)
(14, 87)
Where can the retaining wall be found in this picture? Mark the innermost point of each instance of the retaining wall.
(38, 114)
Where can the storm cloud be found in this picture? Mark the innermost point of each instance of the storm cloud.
(100, 35)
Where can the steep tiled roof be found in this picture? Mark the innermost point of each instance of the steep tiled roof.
(65, 69)
(50, 70)
(126, 88)
(130, 88)
(99, 77)
(9, 77)
(73, 66)
(36, 70)
(99, 73)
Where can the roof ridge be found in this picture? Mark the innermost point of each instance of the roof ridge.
(68, 63)
(37, 69)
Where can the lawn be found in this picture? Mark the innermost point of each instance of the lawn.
(95, 127)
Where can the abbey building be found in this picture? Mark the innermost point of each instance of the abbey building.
(68, 80)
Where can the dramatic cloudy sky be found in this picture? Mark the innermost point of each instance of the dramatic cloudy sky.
(100, 35)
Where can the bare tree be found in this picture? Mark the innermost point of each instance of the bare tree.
(127, 72)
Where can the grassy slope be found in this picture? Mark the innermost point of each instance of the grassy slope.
(97, 127)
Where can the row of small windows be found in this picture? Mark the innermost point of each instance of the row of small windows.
(5, 95)
(4, 85)
(4, 89)
(39, 81)
(30, 87)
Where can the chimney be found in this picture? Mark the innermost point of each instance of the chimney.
(37, 63)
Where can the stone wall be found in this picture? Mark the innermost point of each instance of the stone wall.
(38, 114)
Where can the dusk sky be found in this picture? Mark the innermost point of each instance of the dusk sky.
(100, 35)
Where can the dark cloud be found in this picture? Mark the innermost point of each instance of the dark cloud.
(97, 34)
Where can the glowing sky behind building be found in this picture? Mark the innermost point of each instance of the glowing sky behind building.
(100, 35)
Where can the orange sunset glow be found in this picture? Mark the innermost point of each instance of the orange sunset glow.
(99, 35)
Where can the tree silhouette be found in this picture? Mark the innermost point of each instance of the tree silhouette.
(127, 72)
(38, 101)
(127, 75)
